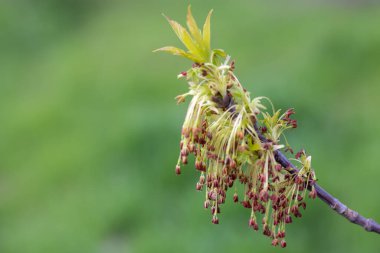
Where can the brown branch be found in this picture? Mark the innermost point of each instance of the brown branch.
(351, 215)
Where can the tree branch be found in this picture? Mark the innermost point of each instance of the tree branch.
(351, 215)
(368, 224)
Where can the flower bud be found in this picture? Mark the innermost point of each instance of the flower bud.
(281, 234)
(177, 170)
(212, 195)
(253, 224)
(191, 147)
(294, 209)
(278, 167)
(246, 204)
(240, 135)
(298, 180)
(215, 210)
(232, 164)
(202, 179)
(215, 220)
(264, 195)
(283, 244)
(313, 193)
(184, 159)
(288, 219)
(236, 197)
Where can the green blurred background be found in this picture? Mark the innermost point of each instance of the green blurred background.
(89, 129)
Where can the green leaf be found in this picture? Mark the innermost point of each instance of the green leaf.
(193, 27)
(186, 39)
(255, 147)
(177, 51)
(219, 52)
(207, 32)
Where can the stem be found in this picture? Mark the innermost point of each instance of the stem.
(368, 224)
(351, 215)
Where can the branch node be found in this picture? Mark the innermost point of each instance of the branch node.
(368, 225)
(351, 215)
(338, 207)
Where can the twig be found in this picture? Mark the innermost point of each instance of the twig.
(351, 215)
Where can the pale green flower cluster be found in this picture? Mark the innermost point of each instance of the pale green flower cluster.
(235, 138)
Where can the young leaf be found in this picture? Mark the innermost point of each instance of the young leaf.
(186, 39)
(180, 52)
(193, 27)
(206, 32)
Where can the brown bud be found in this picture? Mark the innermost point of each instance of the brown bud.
(288, 219)
(281, 234)
(313, 193)
(289, 112)
(274, 198)
(236, 197)
(275, 242)
(212, 195)
(264, 195)
(215, 220)
(215, 210)
(294, 209)
(185, 132)
(253, 224)
(301, 152)
(232, 66)
(191, 147)
(232, 164)
(298, 180)
(203, 167)
(177, 170)
(184, 159)
(202, 179)
(246, 204)
(293, 123)
(240, 135)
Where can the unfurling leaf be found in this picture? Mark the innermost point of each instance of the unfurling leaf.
(207, 32)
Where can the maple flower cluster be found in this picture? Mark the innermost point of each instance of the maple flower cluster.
(234, 139)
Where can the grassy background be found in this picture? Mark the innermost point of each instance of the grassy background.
(89, 129)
